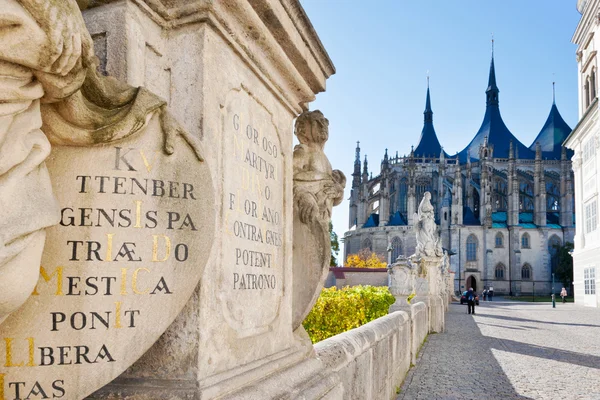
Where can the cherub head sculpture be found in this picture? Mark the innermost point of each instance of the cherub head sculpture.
(312, 128)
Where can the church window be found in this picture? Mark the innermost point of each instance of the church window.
(403, 198)
(499, 272)
(525, 196)
(586, 91)
(396, 248)
(500, 195)
(499, 240)
(367, 244)
(526, 272)
(525, 241)
(589, 280)
(552, 196)
(471, 248)
(593, 84)
(591, 219)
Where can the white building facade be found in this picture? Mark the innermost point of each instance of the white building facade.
(585, 141)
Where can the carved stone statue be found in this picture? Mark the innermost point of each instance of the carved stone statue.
(51, 92)
(317, 188)
(428, 237)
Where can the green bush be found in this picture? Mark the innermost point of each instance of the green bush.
(338, 311)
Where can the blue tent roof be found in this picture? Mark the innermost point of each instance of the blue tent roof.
(469, 217)
(372, 222)
(494, 129)
(552, 136)
(429, 145)
(397, 220)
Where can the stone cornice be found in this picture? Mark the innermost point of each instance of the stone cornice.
(290, 46)
(585, 23)
(589, 115)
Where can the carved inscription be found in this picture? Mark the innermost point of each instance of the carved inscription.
(253, 207)
(128, 251)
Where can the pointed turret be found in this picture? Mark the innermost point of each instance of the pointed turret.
(429, 145)
(365, 174)
(356, 173)
(498, 135)
(553, 134)
(385, 162)
(492, 90)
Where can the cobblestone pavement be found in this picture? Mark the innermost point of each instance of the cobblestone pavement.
(510, 350)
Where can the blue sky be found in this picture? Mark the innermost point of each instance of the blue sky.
(382, 50)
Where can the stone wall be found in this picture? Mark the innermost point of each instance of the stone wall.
(341, 277)
(372, 360)
(419, 327)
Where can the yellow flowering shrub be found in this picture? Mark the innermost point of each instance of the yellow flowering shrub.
(338, 311)
(365, 259)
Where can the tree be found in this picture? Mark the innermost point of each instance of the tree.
(366, 259)
(564, 266)
(335, 246)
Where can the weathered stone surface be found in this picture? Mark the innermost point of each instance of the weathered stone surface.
(132, 191)
(365, 360)
(317, 188)
(118, 268)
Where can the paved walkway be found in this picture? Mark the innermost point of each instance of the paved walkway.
(510, 350)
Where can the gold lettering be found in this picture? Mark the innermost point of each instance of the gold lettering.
(123, 281)
(2, 386)
(59, 280)
(155, 248)
(118, 315)
(9, 354)
(109, 244)
(31, 362)
(138, 214)
(134, 281)
(146, 163)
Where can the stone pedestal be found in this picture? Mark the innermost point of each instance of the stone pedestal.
(235, 74)
(401, 283)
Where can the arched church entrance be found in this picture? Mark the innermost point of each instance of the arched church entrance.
(472, 283)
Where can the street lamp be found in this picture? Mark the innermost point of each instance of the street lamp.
(553, 300)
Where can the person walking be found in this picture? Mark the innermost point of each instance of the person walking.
(470, 301)
(563, 294)
(490, 293)
(484, 293)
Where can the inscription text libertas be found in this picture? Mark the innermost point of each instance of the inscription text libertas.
(253, 216)
(107, 262)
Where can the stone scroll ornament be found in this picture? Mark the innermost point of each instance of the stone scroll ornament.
(428, 237)
(317, 188)
(103, 189)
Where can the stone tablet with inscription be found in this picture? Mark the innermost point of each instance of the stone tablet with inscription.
(136, 232)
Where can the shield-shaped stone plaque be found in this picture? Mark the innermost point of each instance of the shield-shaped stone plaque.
(136, 232)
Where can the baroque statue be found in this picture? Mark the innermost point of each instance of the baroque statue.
(428, 236)
(51, 93)
(317, 188)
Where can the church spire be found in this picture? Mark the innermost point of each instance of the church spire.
(356, 173)
(492, 90)
(428, 112)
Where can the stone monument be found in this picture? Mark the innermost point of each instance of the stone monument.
(425, 272)
(179, 252)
